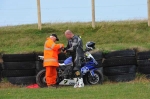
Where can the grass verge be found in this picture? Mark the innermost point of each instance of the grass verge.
(107, 35)
(137, 89)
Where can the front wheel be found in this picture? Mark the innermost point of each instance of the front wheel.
(40, 78)
(93, 80)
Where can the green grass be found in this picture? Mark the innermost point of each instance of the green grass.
(106, 91)
(136, 89)
(107, 35)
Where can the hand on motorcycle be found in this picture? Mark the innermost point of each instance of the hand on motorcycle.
(61, 49)
(64, 50)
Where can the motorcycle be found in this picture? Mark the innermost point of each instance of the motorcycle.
(92, 73)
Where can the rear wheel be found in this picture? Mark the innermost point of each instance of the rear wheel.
(93, 80)
(40, 78)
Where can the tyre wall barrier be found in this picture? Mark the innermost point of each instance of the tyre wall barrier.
(120, 65)
(19, 68)
(143, 61)
(117, 66)
(1, 67)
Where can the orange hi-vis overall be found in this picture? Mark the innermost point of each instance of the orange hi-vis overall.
(51, 51)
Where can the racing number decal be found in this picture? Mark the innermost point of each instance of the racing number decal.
(65, 81)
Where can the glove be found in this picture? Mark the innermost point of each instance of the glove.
(64, 49)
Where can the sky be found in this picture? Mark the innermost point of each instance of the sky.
(16, 12)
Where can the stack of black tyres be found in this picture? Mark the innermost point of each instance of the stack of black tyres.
(39, 63)
(143, 61)
(1, 68)
(19, 69)
(0, 72)
(120, 66)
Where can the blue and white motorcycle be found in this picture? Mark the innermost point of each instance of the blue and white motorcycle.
(92, 73)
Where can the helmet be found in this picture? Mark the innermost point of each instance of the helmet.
(90, 45)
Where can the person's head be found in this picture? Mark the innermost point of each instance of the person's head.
(54, 37)
(68, 34)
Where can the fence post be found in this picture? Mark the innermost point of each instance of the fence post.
(39, 14)
(93, 13)
(148, 5)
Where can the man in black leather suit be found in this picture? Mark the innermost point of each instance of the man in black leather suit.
(75, 47)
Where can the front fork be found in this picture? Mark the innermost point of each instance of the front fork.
(92, 72)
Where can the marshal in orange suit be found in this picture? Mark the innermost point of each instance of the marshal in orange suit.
(51, 51)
